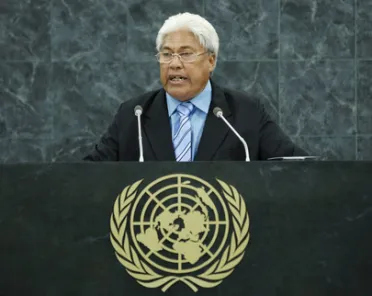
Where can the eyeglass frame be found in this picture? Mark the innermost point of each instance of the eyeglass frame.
(180, 57)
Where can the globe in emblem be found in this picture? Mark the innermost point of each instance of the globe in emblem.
(179, 223)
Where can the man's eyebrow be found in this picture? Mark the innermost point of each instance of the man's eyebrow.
(182, 47)
(186, 47)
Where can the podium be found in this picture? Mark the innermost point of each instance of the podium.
(164, 228)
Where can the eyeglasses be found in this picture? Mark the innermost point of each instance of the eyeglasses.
(186, 57)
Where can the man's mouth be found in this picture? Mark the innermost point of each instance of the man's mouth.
(177, 78)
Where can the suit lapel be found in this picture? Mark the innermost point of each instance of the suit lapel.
(157, 128)
(215, 130)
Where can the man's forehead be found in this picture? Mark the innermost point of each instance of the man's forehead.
(181, 38)
(175, 46)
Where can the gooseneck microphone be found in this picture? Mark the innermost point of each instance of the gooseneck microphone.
(219, 114)
(138, 112)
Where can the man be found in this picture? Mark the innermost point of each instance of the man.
(178, 122)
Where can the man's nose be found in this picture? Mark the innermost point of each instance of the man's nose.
(176, 63)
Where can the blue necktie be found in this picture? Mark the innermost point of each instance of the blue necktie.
(182, 137)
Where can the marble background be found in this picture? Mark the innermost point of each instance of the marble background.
(65, 66)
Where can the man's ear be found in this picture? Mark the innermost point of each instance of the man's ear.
(212, 62)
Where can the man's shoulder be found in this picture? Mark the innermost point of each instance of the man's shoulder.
(141, 100)
(240, 98)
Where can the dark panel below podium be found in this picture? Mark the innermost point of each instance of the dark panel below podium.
(310, 228)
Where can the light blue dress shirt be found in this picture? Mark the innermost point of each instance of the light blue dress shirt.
(198, 116)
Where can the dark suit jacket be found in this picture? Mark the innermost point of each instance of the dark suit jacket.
(264, 138)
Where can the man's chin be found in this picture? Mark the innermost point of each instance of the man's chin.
(178, 94)
(180, 97)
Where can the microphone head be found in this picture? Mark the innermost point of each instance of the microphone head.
(218, 111)
(138, 110)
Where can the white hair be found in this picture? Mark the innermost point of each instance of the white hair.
(198, 25)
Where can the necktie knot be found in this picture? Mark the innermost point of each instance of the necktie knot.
(185, 108)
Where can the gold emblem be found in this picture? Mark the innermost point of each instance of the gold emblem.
(179, 228)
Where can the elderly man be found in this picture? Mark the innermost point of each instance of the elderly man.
(178, 122)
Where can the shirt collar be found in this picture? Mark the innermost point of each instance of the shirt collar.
(201, 101)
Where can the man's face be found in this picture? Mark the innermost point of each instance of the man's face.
(194, 75)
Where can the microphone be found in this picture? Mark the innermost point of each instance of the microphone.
(219, 114)
(138, 112)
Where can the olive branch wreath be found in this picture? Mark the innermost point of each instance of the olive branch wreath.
(147, 277)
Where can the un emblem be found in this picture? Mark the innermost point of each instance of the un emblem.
(179, 228)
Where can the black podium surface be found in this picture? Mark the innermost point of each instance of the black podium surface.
(310, 227)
